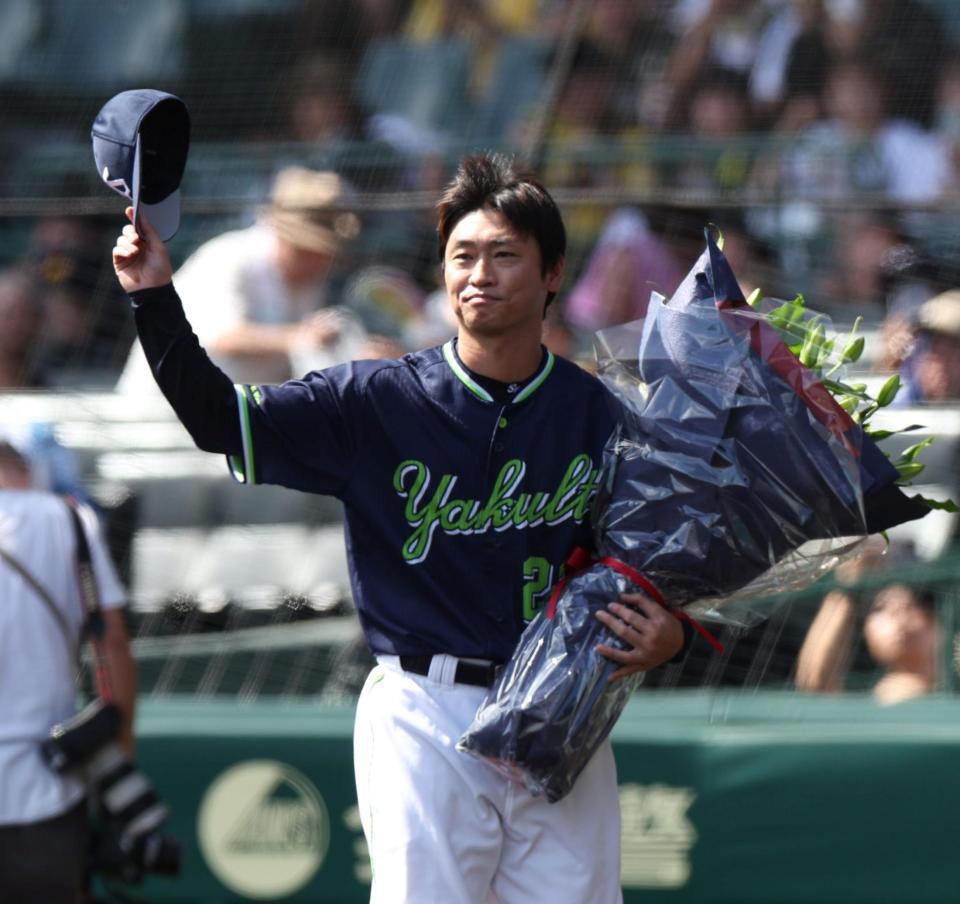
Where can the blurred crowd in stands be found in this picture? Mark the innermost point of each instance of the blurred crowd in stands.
(822, 137)
(886, 639)
(819, 135)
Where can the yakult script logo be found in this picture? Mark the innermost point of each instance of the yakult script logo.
(431, 504)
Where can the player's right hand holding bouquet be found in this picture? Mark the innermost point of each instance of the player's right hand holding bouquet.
(740, 467)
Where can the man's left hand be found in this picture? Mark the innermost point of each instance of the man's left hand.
(654, 635)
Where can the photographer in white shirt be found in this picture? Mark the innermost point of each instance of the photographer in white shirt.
(43, 819)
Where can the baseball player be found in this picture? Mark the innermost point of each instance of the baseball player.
(466, 473)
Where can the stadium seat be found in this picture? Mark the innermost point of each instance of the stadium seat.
(186, 501)
(145, 42)
(427, 84)
(327, 578)
(20, 27)
(253, 565)
(947, 10)
(160, 560)
(236, 503)
(515, 88)
(225, 9)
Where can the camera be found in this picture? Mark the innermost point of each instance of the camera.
(127, 842)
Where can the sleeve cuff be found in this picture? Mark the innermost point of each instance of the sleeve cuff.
(153, 294)
(242, 467)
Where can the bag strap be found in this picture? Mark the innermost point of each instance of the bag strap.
(38, 588)
(89, 591)
(90, 594)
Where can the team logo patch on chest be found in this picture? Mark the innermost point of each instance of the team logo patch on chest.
(432, 504)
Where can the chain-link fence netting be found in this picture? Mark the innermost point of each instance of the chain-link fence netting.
(820, 138)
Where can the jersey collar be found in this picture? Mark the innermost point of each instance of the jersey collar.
(463, 375)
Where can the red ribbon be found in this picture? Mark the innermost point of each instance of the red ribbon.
(580, 560)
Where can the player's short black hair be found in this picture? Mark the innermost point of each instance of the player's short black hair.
(492, 181)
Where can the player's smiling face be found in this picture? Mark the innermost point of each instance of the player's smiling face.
(494, 277)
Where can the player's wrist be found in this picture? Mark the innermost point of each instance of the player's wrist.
(152, 294)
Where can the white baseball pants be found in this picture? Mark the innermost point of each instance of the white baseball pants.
(444, 826)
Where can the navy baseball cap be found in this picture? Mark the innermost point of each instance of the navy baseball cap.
(140, 144)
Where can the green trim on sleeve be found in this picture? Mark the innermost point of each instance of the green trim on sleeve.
(235, 464)
(244, 470)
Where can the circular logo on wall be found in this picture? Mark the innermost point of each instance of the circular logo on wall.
(263, 829)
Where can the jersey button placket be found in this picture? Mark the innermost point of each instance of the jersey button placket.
(493, 541)
(496, 446)
(494, 463)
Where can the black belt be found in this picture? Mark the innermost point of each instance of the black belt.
(466, 672)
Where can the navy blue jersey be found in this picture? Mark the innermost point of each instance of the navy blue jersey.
(459, 510)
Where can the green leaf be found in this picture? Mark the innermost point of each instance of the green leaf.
(840, 389)
(909, 470)
(788, 319)
(849, 403)
(853, 350)
(811, 345)
(825, 351)
(864, 413)
(754, 298)
(944, 505)
(878, 435)
(719, 232)
(796, 311)
(911, 452)
(888, 391)
(778, 316)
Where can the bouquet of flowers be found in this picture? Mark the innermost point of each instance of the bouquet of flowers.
(739, 467)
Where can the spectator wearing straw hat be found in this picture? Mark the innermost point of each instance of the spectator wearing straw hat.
(259, 297)
(931, 370)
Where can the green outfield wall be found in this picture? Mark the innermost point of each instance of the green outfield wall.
(725, 797)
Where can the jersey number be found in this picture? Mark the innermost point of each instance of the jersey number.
(537, 581)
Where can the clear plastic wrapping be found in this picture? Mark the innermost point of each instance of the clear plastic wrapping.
(733, 474)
